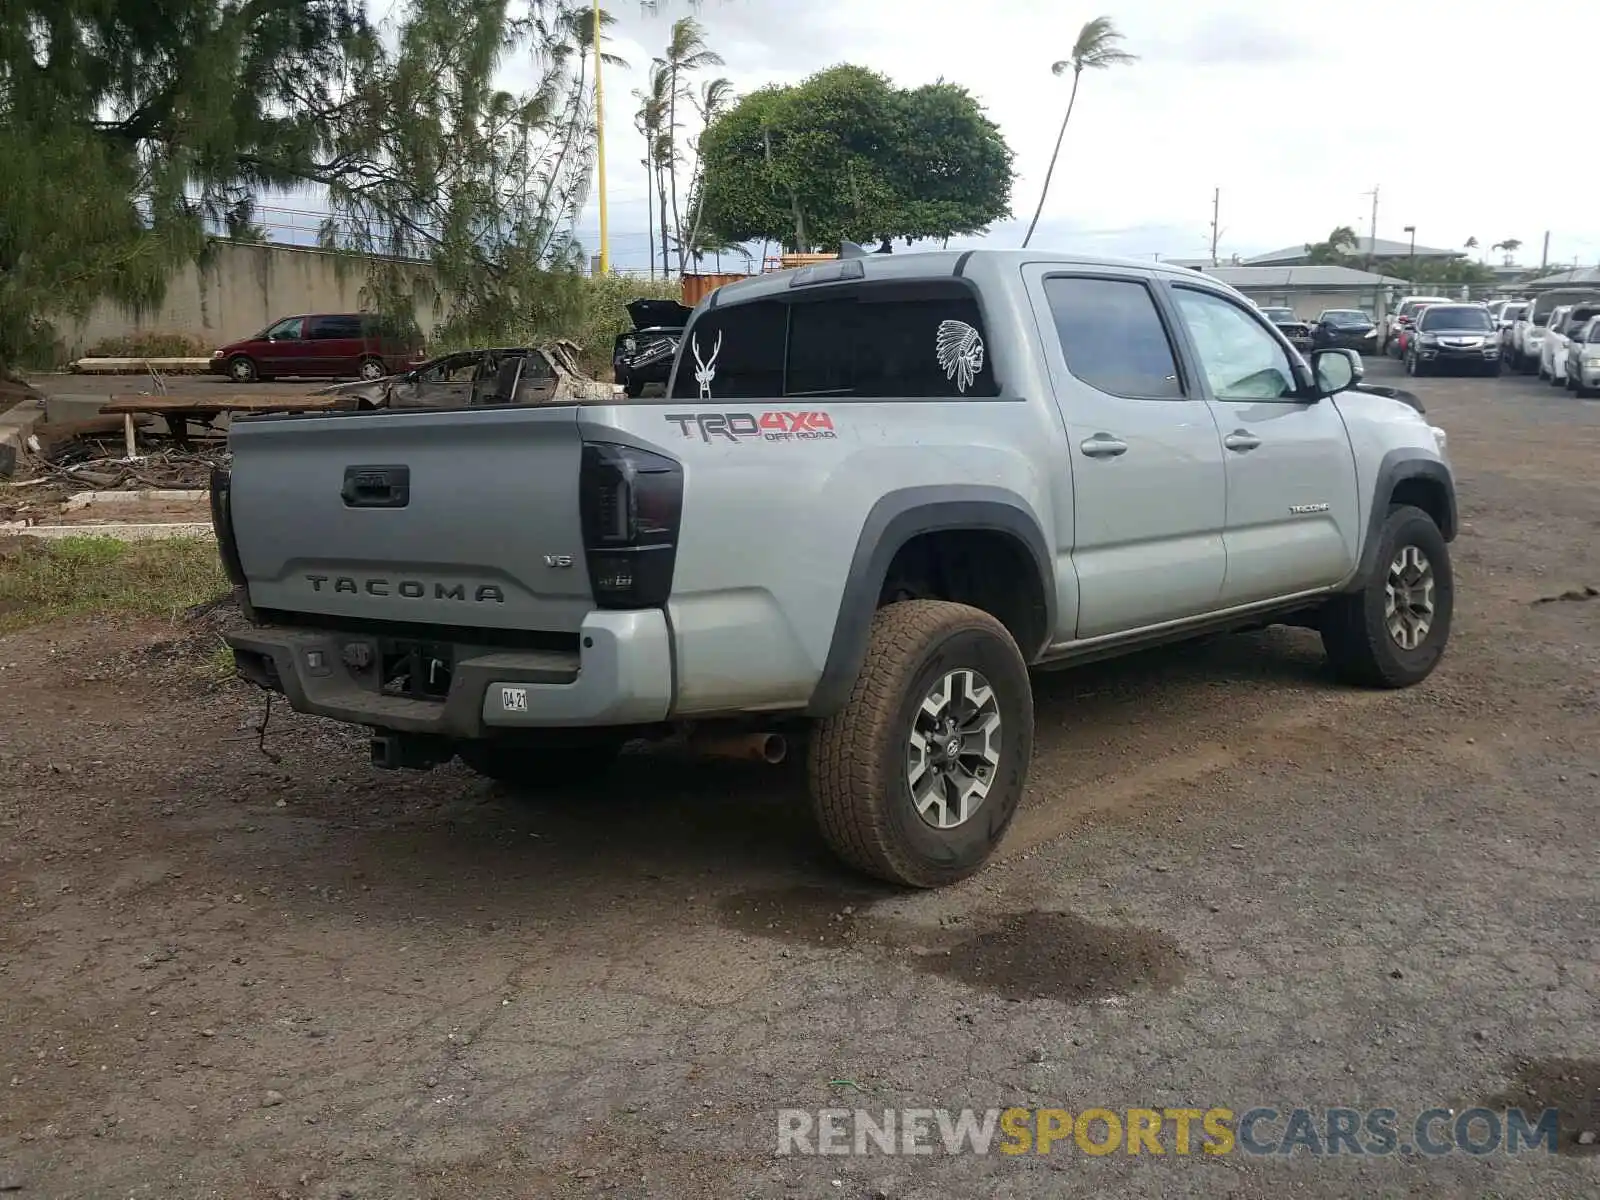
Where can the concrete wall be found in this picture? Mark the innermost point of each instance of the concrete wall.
(239, 291)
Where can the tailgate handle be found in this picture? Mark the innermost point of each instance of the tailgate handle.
(376, 487)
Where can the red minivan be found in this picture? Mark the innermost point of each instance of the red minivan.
(359, 345)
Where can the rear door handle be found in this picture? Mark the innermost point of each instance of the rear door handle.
(1103, 445)
(1241, 440)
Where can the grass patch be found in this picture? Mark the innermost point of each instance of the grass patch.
(218, 666)
(46, 580)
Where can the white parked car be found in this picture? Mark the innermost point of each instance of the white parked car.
(1551, 342)
(1514, 311)
(1566, 325)
(1527, 335)
(1583, 358)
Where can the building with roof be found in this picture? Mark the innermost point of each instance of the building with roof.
(1575, 277)
(1376, 248)
(1309, 289)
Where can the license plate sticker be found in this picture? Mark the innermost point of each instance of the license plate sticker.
(514, 699)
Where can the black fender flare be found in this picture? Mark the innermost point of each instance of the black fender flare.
(894, 520)
(1397, 467)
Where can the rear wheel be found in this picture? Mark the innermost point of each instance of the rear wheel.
(542, 768)
(1393, 632)
(917, 778)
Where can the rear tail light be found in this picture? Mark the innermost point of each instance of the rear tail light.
(630, 501)
(222, 524)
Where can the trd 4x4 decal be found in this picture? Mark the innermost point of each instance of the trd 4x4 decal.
(766, 427)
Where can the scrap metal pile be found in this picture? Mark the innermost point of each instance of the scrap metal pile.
(59, 463)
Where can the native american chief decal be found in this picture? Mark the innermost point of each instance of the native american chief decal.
(960, 350)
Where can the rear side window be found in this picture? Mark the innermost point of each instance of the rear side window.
(734, 354)
(326, 329)
(890, 344)
(1113, 337)
(921, 341)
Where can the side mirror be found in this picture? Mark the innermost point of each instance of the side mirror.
(1336, 371)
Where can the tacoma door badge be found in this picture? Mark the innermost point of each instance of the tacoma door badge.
(1303, 510)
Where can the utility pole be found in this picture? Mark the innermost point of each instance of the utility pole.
(1216, 208)
(1372, 230)
(600, 146)
(1544, 259)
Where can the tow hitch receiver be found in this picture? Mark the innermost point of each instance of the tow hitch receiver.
(409, 751)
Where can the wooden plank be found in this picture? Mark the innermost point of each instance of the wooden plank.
(205, 405)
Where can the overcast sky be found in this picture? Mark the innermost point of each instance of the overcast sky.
(1460, 112)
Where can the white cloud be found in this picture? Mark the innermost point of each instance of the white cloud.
(1458, 109)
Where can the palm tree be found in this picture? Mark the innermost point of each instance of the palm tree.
(687, 53)
(651, 121)
(1095, 50)
(715, 97)
(1510, 246)
(569, 36)
(1470, 244)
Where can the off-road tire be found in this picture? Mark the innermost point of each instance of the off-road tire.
(1355, 632)
(858, 758)
(542, 769)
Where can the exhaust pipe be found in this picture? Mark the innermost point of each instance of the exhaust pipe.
(770, 748)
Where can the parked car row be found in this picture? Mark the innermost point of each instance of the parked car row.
(1547, 319)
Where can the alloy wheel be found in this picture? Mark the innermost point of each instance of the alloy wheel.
(953, 752)
(1408, 606)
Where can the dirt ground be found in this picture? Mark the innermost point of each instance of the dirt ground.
(235, 974)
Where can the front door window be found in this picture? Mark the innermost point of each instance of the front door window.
(1242, 360)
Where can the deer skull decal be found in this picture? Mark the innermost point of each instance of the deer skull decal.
(705, 371)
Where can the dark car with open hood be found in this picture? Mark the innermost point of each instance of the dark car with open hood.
(1291, 326)
(644, 355)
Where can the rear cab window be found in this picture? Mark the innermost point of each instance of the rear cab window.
(913, 340)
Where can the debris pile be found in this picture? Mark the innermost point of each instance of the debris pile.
(62, 462)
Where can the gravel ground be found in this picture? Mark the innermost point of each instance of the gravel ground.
(1234, 883)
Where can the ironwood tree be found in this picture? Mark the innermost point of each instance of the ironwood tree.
(132, 131)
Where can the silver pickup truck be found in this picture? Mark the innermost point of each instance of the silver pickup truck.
(879, 492)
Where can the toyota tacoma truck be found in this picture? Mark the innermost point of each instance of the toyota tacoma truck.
(879, 492)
